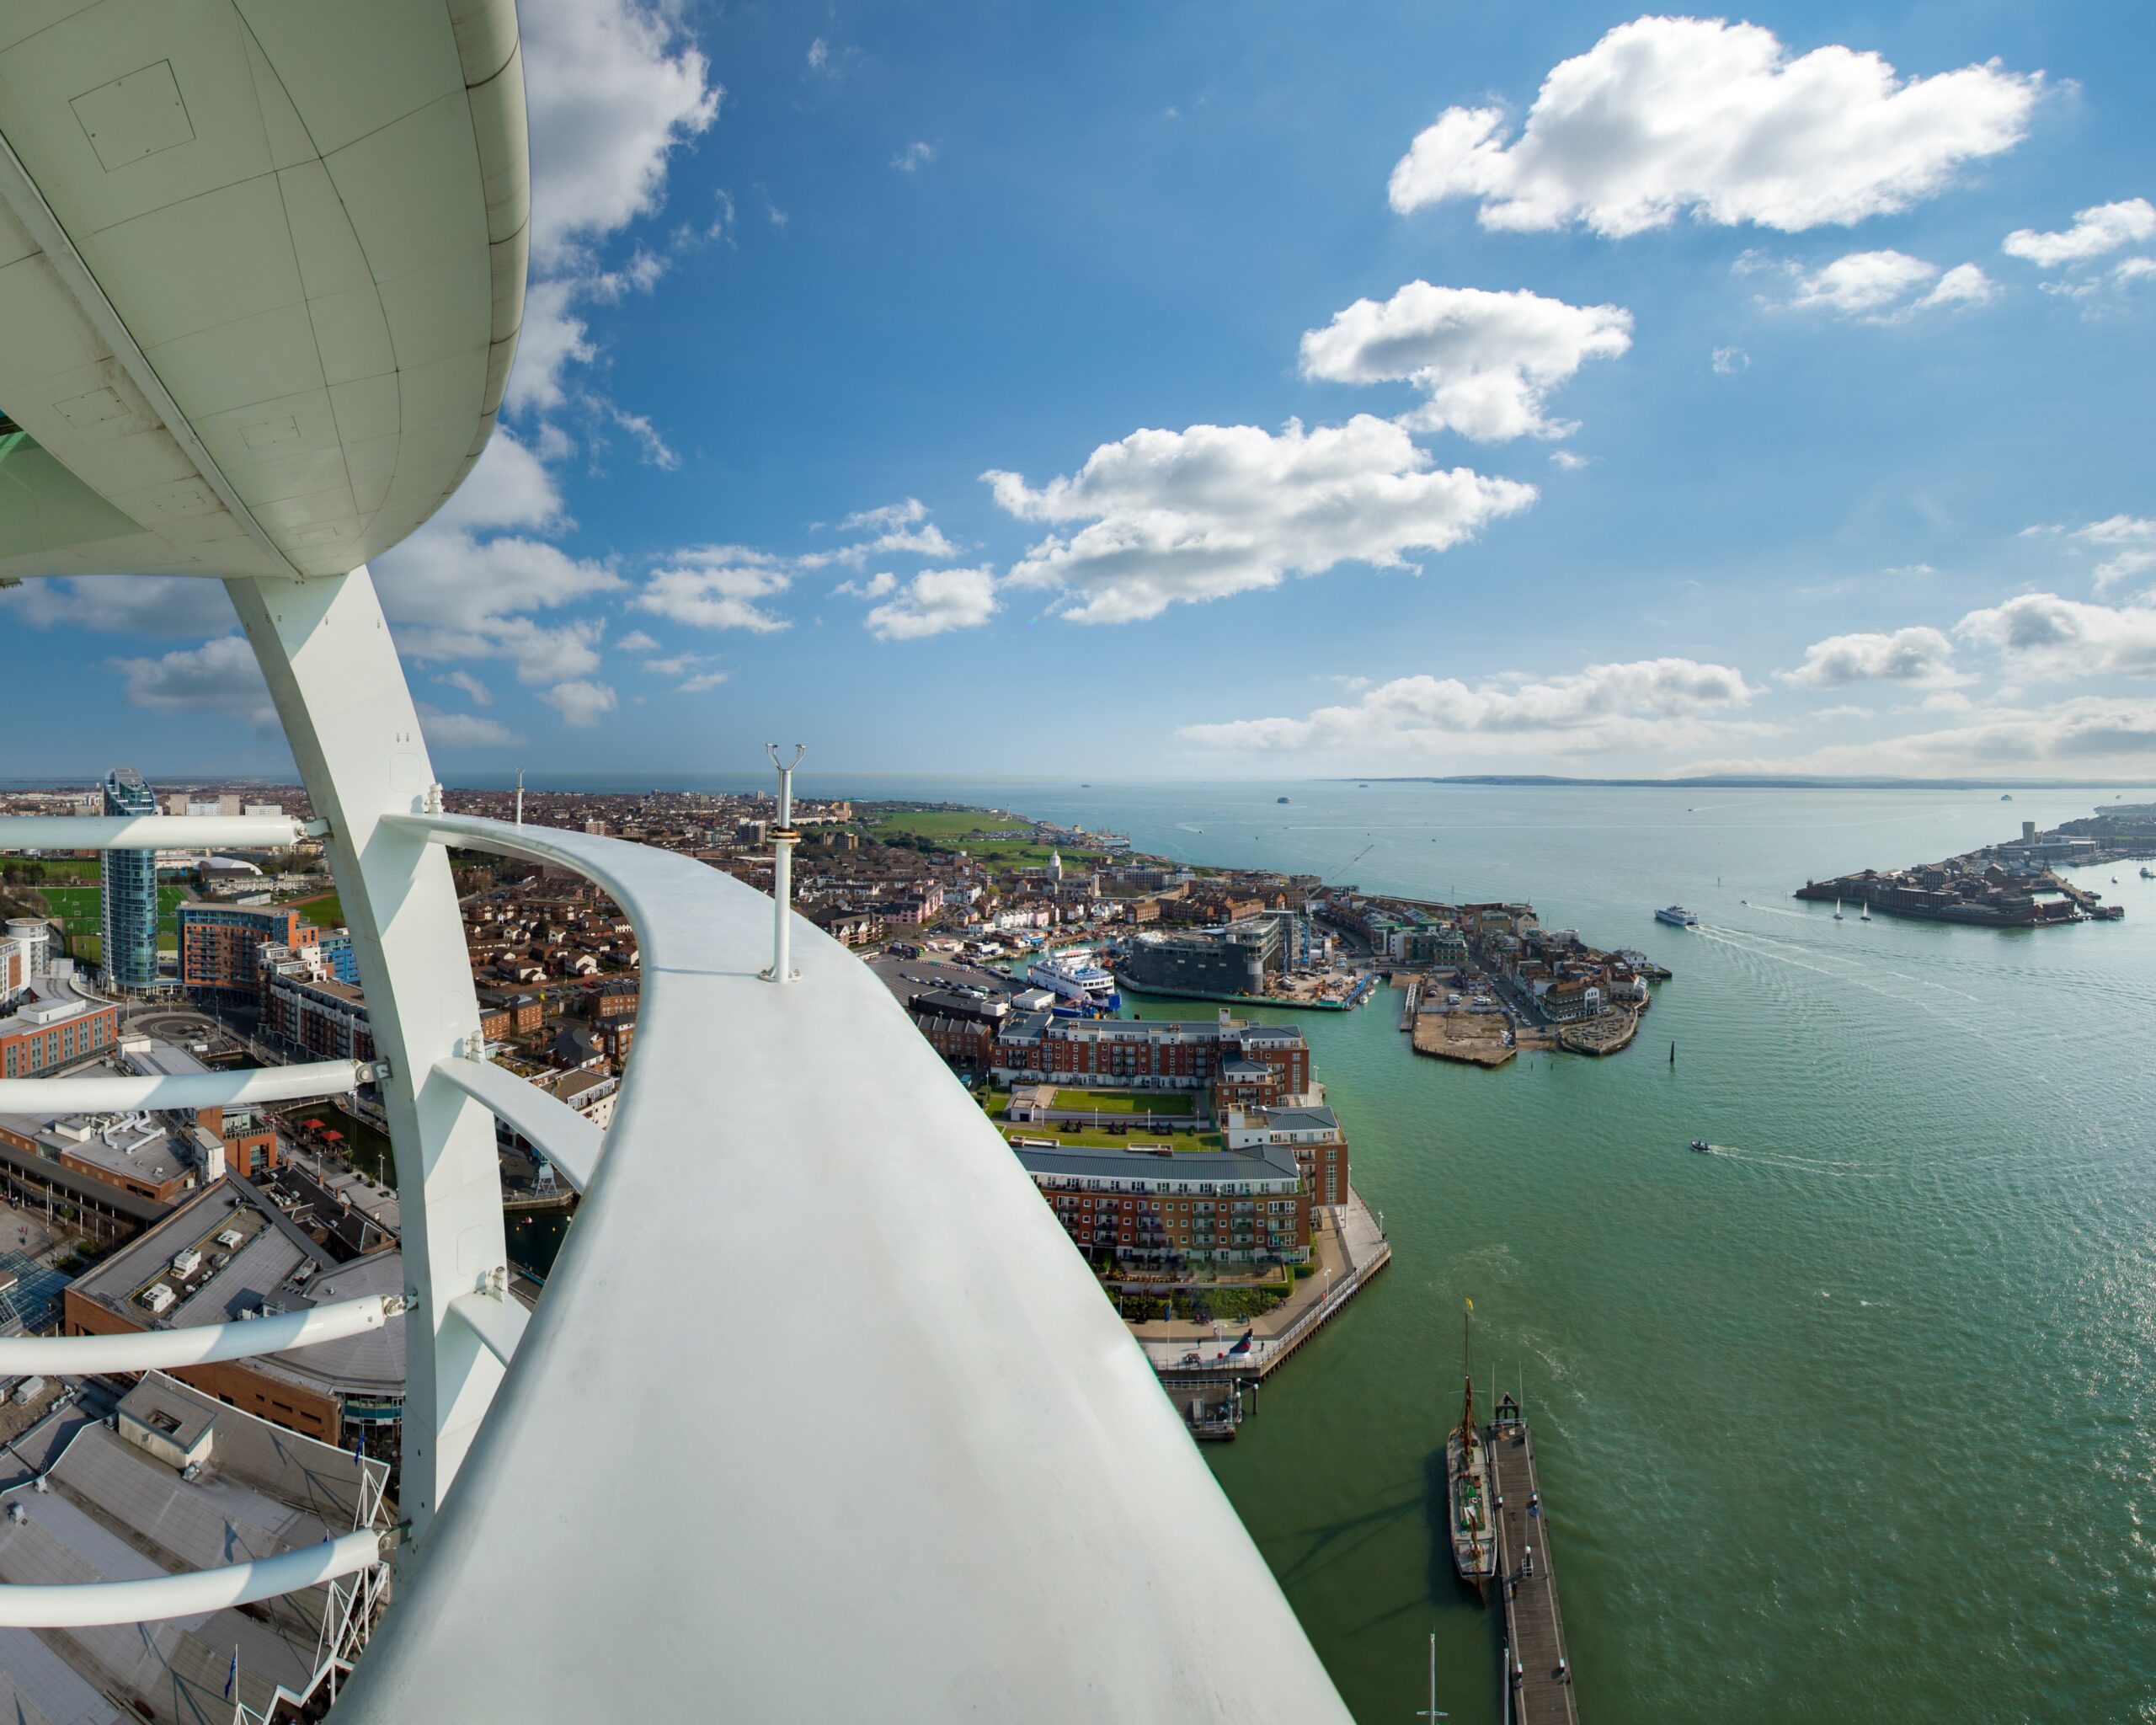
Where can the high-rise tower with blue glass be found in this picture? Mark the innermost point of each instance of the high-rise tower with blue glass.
(130, 890)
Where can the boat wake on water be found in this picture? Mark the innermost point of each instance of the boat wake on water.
(1828, 1167)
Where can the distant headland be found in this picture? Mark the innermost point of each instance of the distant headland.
(1748, 782)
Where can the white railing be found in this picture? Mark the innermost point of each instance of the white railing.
(149, 832)
(194, 1345)
(550, 1125)
(83, 1605)
(123, 1092)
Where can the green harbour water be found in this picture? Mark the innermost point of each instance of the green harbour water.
(1851, 1419)
(1855, 1419)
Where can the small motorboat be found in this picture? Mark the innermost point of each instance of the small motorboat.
(1700, 1146)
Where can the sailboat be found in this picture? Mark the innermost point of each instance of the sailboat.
(1837, 910)
(1468, 1495)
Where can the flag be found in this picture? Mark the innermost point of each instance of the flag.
(1471, 1306)
(232, 1676)
(359, 1450)
(1243, 1346)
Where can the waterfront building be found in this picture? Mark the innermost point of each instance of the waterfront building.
(1149, 1055)
(1152, 1205)
(59, 1025)
(1312, 1133)
(282, 1259)
(128, 891)
(220, 947)
(1237, 959)
(316, 1014)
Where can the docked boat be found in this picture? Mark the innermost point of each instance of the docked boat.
(1676, 915)
(1082, 986)
(1469, 1496)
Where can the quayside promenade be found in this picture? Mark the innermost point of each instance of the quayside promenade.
(1538, 1672)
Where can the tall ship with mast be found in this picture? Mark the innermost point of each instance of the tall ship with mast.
(1469, 1499)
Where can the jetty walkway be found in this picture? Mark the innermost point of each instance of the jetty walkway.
(1536, 1669)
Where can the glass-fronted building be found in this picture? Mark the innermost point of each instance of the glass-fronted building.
(129, 893)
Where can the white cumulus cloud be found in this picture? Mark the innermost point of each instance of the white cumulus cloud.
(581, 704)
(1882, 287)
(465, 730)
(933, 601)
(613, 87)
(1665, 116)
(1171, 516)
(1920, 656)
(2051, 640)
(122, 604)
(717, 587)
(2100, 228)
(219, 676)
(1652, 702)
(1487, 361)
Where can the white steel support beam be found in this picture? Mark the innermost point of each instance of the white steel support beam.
(494, 1318)
(196, 1344)
(84, 1605)
(553, 1129)
(348, 713)
(148, 832)
(115, 1092)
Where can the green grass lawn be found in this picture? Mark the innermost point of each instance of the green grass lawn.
(86, 870)
(963, 830)
(326, 912)
(79, 908)
(81, 911)
(1122, 1102)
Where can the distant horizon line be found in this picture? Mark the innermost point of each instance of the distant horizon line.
(611, 781)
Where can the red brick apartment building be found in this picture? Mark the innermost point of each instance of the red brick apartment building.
(1177, 1206)
(56, 1030)
(220, 945)
(326, 1019)
(1135, 1054)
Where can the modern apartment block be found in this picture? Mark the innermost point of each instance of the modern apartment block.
(1312, 1134)
(325, 1018)
(1189, 1206)
(129, 891)
(221, 945)
(58, 1027)
(1237, 1063)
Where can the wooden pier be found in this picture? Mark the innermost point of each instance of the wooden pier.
(1537, 1671)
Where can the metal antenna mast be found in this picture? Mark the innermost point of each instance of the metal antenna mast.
(783, 838)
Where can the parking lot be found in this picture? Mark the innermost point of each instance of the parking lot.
(908, 977)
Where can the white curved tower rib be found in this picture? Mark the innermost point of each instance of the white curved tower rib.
(333, 672)
(819, 1406)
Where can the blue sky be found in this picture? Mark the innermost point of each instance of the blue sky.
(1372, 388)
